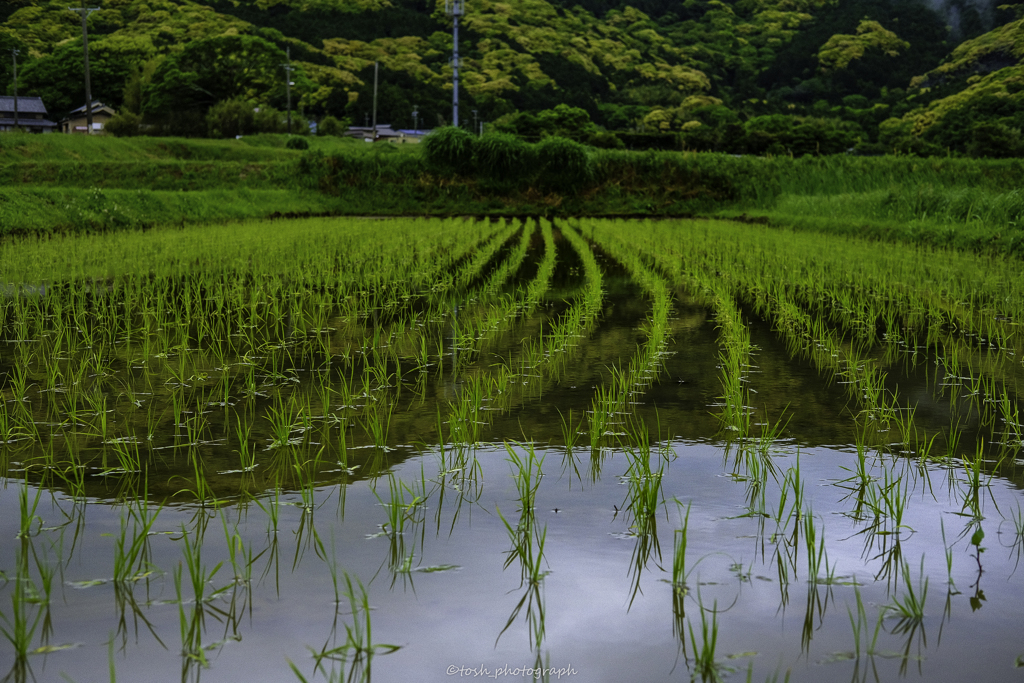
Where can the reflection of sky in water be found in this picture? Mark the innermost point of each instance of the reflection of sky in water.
(454, 617)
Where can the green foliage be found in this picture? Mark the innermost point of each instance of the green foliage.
(230, 118)
(564, 165)
(797, 135)
(841, 50)
(450, 150)
(332, 126)
(503, 158)
(297, 143)
(604, 140)
(562, 121)
(123, 124)
(211, 70)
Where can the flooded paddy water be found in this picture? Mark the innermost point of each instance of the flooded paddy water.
(431, 450)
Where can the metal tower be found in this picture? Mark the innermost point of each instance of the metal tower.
(455, 9)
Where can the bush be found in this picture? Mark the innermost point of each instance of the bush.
(995, 140)
(449, 150)
(230, 118)
(332, 126)
(779, 134)
(269, 120)
(297, 143)
(564, 165)
(605, 140)
(123, 124)
(504, 158)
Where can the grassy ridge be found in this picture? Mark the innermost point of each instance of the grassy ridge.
(45, 210)
(71, 183)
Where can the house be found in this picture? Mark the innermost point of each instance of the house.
(31, 115)
(76, 122)
(385, 133)
(411, 135)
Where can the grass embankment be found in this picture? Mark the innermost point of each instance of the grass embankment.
(970, 204)
(64, 183)
(72, 183)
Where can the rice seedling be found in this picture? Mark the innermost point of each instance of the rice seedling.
(403, 506)
(377, 423)
(679, 572)
(819, 569)
(130, 555)
(526, 474)
(909, 607)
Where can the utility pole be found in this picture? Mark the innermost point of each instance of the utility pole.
(415, 117)
(455, 9)
(84, 12)
(288, 85)
(14, 57)
(374, 136)
(476, 125)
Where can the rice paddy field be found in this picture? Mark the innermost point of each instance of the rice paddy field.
(423, 449)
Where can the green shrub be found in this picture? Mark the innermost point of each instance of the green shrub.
(564, 165)
(230, 118)
(503, 158)
(605, 140)
(297, 143)
(123, 124)
(332, 126)
(269, 120)
(449, 150)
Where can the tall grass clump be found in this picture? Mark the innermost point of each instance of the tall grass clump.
(564, 165)
(503, 159)
(450, 151)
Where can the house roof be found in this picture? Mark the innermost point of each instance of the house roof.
(26, 105)
(96, 106)
(26, 123)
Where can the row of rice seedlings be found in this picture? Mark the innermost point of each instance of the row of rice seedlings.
(644, 366)
(759, 277)
(274, 296)
(183, 377)
(575, 323)
(501, 275)
(886, 500)
(484, 255)
(492, 314)
(467, 414)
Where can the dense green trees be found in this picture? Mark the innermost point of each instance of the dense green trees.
(744, 76)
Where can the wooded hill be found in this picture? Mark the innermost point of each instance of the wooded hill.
(745, 76)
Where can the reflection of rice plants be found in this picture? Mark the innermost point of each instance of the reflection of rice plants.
(528, 548)
(705, 665)
(19, 626)
(356, 654)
